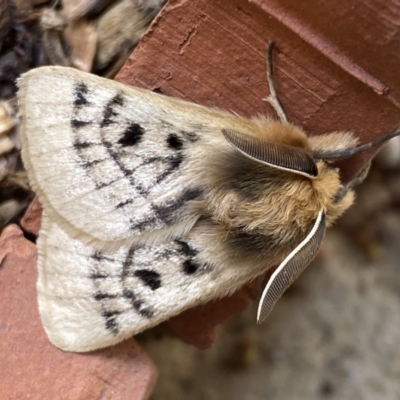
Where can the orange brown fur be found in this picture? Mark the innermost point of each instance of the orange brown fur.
(253, 201)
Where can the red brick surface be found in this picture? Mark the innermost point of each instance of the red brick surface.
(336, 65)
(32, 368)
(30, 222)
(197, 325)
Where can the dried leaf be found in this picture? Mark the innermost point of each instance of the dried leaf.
(75, 9)
(6, 145)
(5, 21)
(53, 23)
(118, 30)
(7, 118)
(81, 37)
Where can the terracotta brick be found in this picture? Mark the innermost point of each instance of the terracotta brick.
(328, 78)
(33, 368)
(197, 325)
(30, 222)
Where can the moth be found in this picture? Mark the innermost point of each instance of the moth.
(153, 205)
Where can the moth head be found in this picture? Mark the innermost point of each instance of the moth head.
(340, 145)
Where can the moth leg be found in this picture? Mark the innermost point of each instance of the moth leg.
(352, 184)
(273, 97)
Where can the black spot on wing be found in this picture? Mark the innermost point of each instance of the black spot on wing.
(98, 296)
(174, 162)
(140, 189)
(128, 294)
(102, 185)
(109, 113)
(185, 249)
(80, 90)
(143, 225)
(132, 135)
(91, 164)
(117, 100)
(108, 146)
(111, 321)
(145, 312)
(127, 263)
(137, 304)
(76, 123)
(124, 203)
(150, 278)
(98, 275)
(82, 145)
(115, 156)
(97, 256)
(167, 212)
(174, 141)
(190, 267)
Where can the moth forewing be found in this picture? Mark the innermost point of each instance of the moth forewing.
(143, 154)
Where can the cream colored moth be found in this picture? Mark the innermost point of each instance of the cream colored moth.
(153, 205)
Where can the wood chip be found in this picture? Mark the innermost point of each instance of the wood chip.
(53, 23)
(118, 30)
(7, 118)
(75, 9)
(5, 22)
(52, 19)
(22, 9)
(147, 5)
(36, 3)
(10, 209)
(6, 145)
(81, 37)
(17, 179)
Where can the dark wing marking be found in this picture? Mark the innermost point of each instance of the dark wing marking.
(141, 173)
